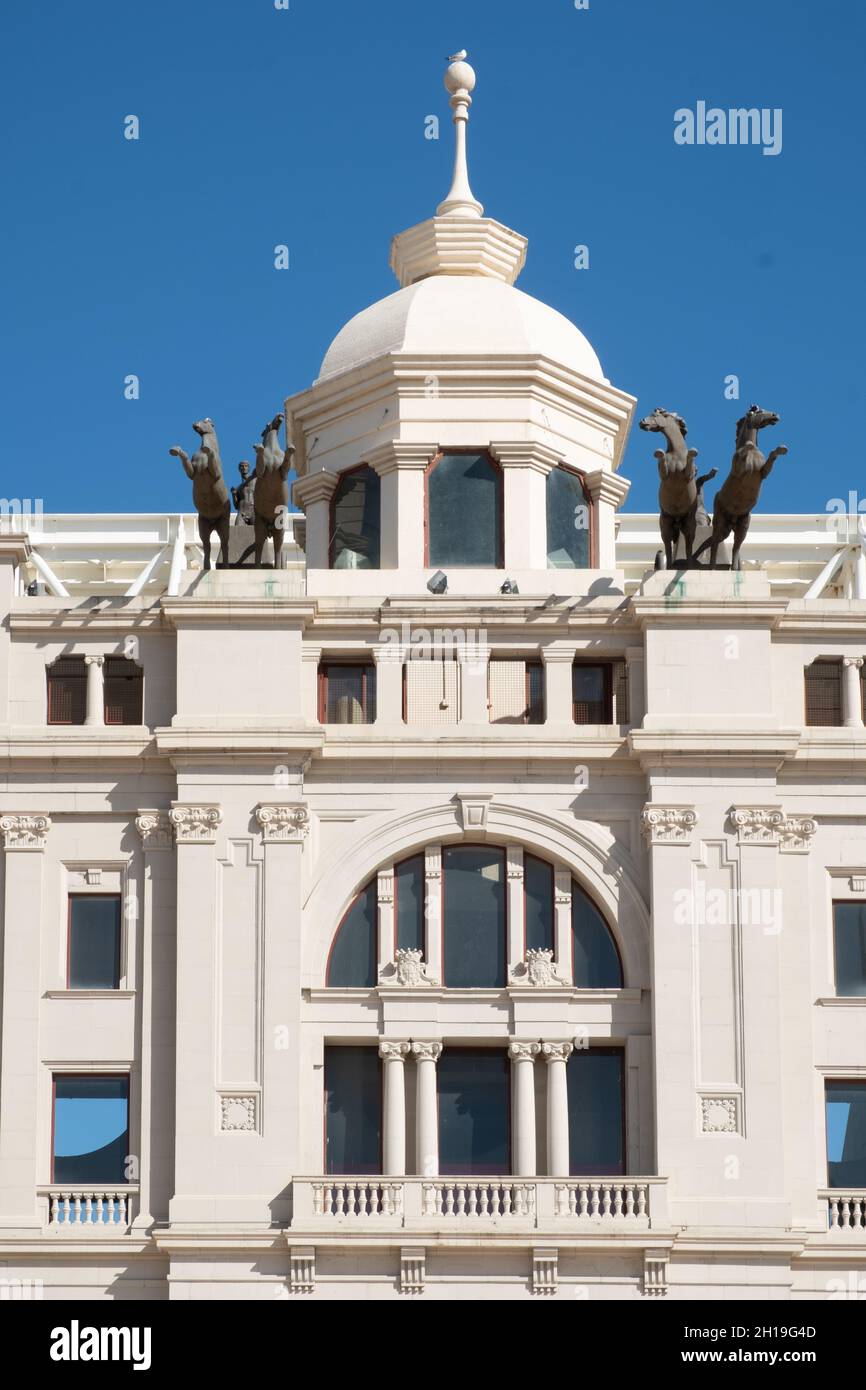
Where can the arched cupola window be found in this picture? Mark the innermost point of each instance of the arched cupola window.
(356, 520)
(569, 521)
(464, 511)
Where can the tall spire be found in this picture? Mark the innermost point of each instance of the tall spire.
(460, 82)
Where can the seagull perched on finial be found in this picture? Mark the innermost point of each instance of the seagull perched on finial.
(458, 57)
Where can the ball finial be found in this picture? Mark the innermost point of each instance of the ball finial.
(459, 76)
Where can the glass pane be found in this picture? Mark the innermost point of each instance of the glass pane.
(94, 942)
(589, 688)
(463, 504)
(474, 913)
(123, 690)
(355, 520)
(353, 954)
(345, 686)
(409, 892)
(824, 694)
(353, 1110)
(846, 1134)
(535, 682)
(538, 888)
(90, 1129)
(567, 521)
(67, 691)
(849, 934)
(596, 1138)
(473, 1112)
(595, 958)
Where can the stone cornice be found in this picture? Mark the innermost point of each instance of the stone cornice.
(319, 486)
(603, 485)
(15, 546)
(86, 621)
(526, 453)
(227, 742)
(757, 747)
(24, 830)
(281, 613)
(400, 454)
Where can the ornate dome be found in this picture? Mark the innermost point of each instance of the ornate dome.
(472, 315)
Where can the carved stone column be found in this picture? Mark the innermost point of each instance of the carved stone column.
(562, 925)
(473, 660)
(95, 709)
(558, 690)
(525, 464)
(523, 1055)
(313, 495)
(852, 702)
(608, 491)
(388, 657)
(157, 996)
(393, 1055)
(556, 1055)
(401, 464)
(426, 1055)
(516, 915)
(433, 911)
(24, 838)
(387, 939)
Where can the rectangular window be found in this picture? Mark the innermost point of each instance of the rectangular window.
(123, 691)
(824, 694)
(474, 1120)
(409, 903)
(94, 941)
(516, 692)
(67, 690)
(353, 1110)
(473, 913)
(90, 1130)
(846, 1133)
(347, 693)
(849, 947)
(432, 691)
(600, 692)
(596, 1124)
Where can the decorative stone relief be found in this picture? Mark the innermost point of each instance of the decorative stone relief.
(795, 834)
(514, 861)
(556, 1051)
(391, 1051)
(757, 825)
(668, 825)
(545, 1269)
(427, 1051)
(655, 1273)
(520, 1051)
(413, 1270)
(196, 825)
(538, 970)
(302, 1269)
(239, 1114)
(286, 824)
(720, 1114)
(385, 886)
(409, 968)
(858, 885)
(473, 812)
(155, 829)
(25, 832)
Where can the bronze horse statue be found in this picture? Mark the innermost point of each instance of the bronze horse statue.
(738, 495)
(209, 493)
(679, 488)
(271, 496)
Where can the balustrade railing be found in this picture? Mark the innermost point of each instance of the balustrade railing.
(846, 1211)
(107, 1210)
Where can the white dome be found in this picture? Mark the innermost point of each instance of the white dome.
(467, 314)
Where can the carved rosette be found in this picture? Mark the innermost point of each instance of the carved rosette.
(668, 825)
(25, 831)
(238, 1114)
(155, 829)
(287, 823)
(195, 825)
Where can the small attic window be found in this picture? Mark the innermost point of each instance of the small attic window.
(355, 521)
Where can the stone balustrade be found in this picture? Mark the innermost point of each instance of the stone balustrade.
(75, 1208)
(846, 1211)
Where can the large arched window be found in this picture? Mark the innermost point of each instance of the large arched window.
(569, 515)
(469, 895)
(355, 520)
(464, 511)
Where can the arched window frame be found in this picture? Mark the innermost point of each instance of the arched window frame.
(593, 530)
(576, 886)
(332, 509)
(500, 502)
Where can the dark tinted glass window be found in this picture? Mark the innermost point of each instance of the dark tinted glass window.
(409, 891)
(474, 917)
(591, 688)
(846, 1134)
(538, 888)
(353, 1110)
(596, 1137)
(464, 512)
(595, 959)
(355, 516)
(353, 955)
(67, 690)
(473, 1112)
(94, 941)
(568, 517)
(123, 688)
(849, 939)
(91, 1121)
(534, 692)
(824, 694)
(348, 694)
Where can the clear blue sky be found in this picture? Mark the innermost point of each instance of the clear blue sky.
(306, 127)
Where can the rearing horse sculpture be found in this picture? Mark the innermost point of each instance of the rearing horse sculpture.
(678, 489)
(738, 495)
(209, 493)
(271, 497)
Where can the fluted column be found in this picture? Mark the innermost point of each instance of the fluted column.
(852, 704)
(393, 1055)
(95, 710)
(556, 1054)
(426, 1055)
(523, 1055)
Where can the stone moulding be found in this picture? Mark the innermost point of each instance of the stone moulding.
(668, 825)
(195, 824)
(28, 831)
(284, 822)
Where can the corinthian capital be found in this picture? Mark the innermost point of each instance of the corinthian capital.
(25, 831)
(284, 823)
(556, 1051)
(195, 824)
(427, 1051)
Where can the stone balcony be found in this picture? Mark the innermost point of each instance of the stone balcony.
(846, 1210)
(79, 1210)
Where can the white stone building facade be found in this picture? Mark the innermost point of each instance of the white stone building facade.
(495, 939)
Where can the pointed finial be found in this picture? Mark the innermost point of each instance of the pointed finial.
(460, 82)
